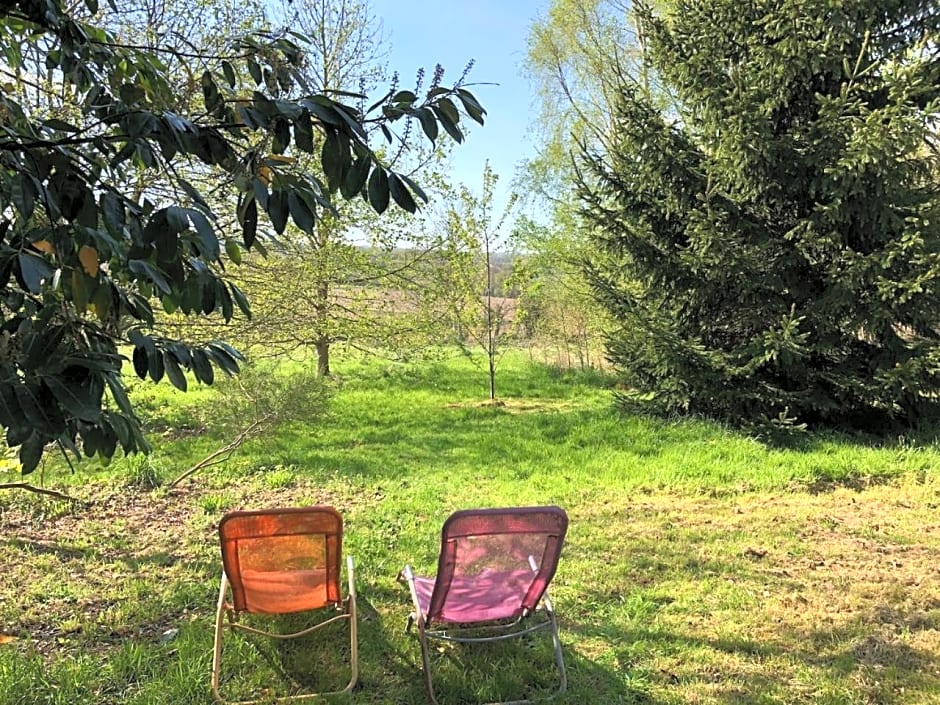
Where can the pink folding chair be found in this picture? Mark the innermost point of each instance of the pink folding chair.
(492, 581)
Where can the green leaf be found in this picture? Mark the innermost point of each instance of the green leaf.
(446, 107)
(260, 191)
(194, 194)
(33, 270)
(61, 125)
(255, 71)
(123, 430)
(417, 190)
(82, 399)
(210, 92)
(147, 271)
(208, 241)
(350, 117)
(335, 158)
(277, 210)
(82, 288)
(225, 300)
(41, 346)
(155, 366)
(450, 127)
(378, 190)
(400, 193)
(281, 140)
(23, 192)
(41, 416)
(303, 132)
(404, 97)
(202, 368)
(173, 371)
(325, 113)
(31, 453)
(112, 210)
(208, 296)
(229, 73)
(140, 362)
(233, 251)
(119, 394)
(300, 212)
(10, 415)
(225, 355)
(471, 105)
(131, 93)
(356, 177)
(177, 219)
(248, 217)
(428, 123)
(241, 300)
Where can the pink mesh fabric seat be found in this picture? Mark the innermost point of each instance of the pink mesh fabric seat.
(493, 571)
(282, 561)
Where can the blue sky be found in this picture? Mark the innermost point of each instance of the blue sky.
(491, 32)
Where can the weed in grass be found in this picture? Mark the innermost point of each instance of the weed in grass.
(215, 503)
(280, 476)
(141, 473)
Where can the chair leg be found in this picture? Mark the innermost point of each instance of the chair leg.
(353, 627)
(351, 615)
(426, 660)
(556, 642)
(217, 647)
(556, 645)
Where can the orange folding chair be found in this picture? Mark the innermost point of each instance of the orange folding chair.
(281, 561)
(492, 580)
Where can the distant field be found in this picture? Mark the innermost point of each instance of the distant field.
(701, 566)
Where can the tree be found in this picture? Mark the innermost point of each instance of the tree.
(85, 249)
(359, 278)
(483, 318)
(555, 306)
(770, 249)
(581, 53)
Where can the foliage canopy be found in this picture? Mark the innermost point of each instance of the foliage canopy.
(86, 248)
(770, 248)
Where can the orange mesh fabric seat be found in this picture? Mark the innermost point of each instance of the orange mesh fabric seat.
(282, 561)
(493, 572)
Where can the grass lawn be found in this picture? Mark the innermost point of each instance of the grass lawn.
(700, 565)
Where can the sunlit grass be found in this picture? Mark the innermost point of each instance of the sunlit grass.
(701, 566)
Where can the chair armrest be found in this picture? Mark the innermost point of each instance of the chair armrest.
(407, 575)
(350, 576)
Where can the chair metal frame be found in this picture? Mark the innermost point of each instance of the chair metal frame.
(226, 609)
(429, 629)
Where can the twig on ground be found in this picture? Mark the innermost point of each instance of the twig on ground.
(225, 452)
(40, 490)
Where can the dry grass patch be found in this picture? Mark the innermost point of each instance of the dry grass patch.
(790, 597)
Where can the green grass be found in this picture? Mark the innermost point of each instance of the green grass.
(701, 566)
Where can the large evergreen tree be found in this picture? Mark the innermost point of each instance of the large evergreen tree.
(772, 248)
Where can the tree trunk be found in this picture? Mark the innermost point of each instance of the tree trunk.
(323, 357)
(322, 344)
(492, 360)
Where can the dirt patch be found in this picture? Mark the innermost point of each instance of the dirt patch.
(516, 406)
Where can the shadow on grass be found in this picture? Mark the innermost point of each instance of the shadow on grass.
(863, 659)
(475, 673)
(665, 641)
